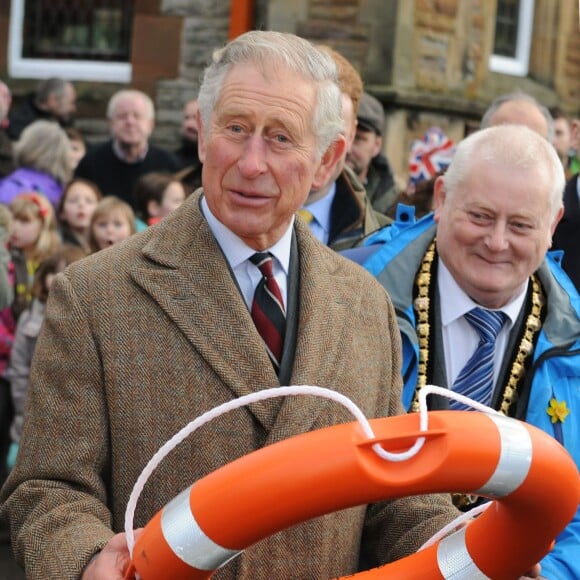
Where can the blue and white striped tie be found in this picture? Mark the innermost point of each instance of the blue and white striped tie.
(476, 378)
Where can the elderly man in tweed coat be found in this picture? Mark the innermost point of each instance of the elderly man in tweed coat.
(144, 337)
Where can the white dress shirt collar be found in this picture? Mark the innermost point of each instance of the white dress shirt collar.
(455, 302)
(321, 210)
(238, 253)
(460, 340)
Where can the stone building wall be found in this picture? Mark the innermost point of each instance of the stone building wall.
(199, 26)
(426, 60)
(205, 27)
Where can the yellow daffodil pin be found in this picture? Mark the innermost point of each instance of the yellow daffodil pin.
(558, 410)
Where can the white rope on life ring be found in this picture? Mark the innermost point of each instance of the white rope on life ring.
(507, 459)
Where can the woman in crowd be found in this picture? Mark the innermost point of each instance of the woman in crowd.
(42, 158)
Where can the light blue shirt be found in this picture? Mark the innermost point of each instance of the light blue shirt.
(460, 339)
(238, 254)
(320, 209)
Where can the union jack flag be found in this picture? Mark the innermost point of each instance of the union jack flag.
(429, 155)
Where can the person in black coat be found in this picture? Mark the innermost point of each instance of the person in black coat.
(53, 100)
(6, 147)
(566, 235)
(116, 165)
(190, 174)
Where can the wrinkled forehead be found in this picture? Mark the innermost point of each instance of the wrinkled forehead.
(130, 104)
(280, 86)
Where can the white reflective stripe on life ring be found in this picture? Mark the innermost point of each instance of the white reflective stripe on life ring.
(187, 540)
(514, 461)
(454, 560)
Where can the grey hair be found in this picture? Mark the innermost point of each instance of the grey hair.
(52, 86)
(131, 94)
(518, 96)
(44, 146)
(514, 146)
(290, 51)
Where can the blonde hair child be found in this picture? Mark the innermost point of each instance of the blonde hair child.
(113, 221)
(33, 237)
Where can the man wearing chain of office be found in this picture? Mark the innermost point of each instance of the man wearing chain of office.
(483, 308)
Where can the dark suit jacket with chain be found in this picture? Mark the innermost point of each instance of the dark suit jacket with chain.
(141, 339)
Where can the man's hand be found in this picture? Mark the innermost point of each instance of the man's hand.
(533, 573)
(112, 561)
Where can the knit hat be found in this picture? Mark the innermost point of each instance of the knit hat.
(430, 155)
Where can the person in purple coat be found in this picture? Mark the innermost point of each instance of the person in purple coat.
(42, 163)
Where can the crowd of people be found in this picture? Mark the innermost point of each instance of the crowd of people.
(103, 244)
(61, 199)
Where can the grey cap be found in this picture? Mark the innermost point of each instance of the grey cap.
(371, 115)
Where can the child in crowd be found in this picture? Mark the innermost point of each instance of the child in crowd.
(26, 334)
(78, 202)
(77, 146)
(33, 237)
(113, 221)
(157, 194)
(6, 295)
(6, 290)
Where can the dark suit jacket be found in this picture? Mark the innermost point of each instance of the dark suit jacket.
(141, 339)
(567, 234)
(117, 177)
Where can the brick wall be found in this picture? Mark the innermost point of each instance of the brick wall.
(205, 27)
(426, 60)
(174, 44)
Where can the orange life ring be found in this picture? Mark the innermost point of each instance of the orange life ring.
(477, 453)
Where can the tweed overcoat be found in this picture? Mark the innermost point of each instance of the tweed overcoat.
(141, 339)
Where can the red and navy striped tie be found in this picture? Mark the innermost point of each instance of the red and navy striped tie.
(268, 308)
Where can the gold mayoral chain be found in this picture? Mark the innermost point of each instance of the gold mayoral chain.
(422, 305)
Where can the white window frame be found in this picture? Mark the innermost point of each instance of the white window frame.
(40, 68)
(519, 65)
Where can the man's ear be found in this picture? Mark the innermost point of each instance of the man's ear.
(200, 137)
(333, 155)
(556, 220)
(439, 196)
(378, 146)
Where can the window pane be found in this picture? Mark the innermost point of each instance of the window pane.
(78, 29)
(506, 28)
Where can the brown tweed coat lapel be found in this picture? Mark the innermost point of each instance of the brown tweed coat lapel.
(320, 325)
(189, 279)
